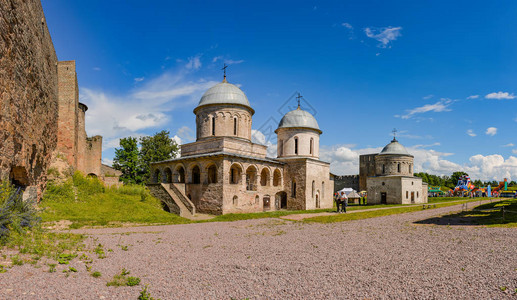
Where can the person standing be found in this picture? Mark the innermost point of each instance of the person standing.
(344, 205)
(344, 202)
(337, 198)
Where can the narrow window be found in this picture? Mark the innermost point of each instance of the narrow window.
(323, 189)
(293, 191)
(312, 145)
(398, 168)
(234, 126)
(295, 145)
(383, 169)
(407, 194)
(213, 125)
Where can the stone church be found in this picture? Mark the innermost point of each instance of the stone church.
(223, 171)
(388, 176)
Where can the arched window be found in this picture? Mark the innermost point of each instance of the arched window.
(398, 168)
(264, 177)
(212, 174)
(213, 125)
(312, 146)
(293, 189)
(257, 199)
(313, 188)
(235, 174)
(235, 201)
(251, 179)
(323, 189)
(168, 175)
(407, 194)
(234, 126)
(295, 145)
(276, 177)
(196, 175)
(383, 169)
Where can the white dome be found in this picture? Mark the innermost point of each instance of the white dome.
(299, 118)
(224, 93)
(394, 148)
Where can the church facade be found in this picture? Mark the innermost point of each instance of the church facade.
(223, 171)
(388, 176)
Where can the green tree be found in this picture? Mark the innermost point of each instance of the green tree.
(127, 160)
(156, 148)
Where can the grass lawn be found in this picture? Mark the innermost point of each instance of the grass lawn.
(86, 202)
(399, 209)
(495, 216)
(444, 199)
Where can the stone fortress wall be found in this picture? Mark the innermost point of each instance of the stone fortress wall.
(28, 95)
(41, 119)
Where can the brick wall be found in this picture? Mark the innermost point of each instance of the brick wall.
(28, 94)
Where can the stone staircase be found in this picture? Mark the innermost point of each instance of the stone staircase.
(172, 194)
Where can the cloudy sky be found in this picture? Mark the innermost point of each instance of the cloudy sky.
(442, 72)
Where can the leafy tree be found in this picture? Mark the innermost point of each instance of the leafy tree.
(156, 148)
(127, 160)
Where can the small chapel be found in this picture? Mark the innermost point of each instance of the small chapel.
(388, 176)
(223, 171)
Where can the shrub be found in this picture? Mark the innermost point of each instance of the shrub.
(15, 213)
(96, 274)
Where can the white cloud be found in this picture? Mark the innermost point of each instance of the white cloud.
(428, 97)
(115, 116)
(96, 68)
(514, 151)
(491, 131)
(177, 139)
(384, 35)
(185, 134)
(107, 161)
(473, 97)
(194, 62)
(138, 79)
(440, 106)
(347, 25)
(471, 133)
(216, 58)
(258, 137)
(509, 145)
(227, 61)
(500, 95)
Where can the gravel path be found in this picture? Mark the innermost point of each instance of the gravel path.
(386, 257)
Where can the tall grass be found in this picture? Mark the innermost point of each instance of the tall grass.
(85, 201)
(16, 215)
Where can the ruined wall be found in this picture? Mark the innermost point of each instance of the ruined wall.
(93, 156)
(366, 169)
(28, 95)
(68, 124)
(347, 181)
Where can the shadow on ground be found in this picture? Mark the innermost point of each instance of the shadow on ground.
(486, 214)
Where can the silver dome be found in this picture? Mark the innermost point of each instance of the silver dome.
(224, 93)
(394, 148)
(299, 118)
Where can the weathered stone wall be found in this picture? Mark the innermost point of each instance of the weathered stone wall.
(226, 144)
(28, 94)
(394, 165)
(68, 112)
(93, 156)
(398, 189)
(224, 116)
(366, 169)
(319, 189)
(347, 181)
(286, 142)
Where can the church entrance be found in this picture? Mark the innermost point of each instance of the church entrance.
(281, 200)
(317, 201)
(267, 203)
(412, 197)
(383, 198)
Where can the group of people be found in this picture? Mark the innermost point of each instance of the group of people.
(341, 202)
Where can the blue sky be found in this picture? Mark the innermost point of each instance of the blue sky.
(442, 72)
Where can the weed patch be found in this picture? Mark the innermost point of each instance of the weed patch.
(123, 280)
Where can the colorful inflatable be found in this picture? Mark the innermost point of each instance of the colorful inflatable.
(464, 185)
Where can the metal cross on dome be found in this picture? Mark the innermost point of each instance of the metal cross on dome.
(224, 70)
(298, 99)
(394, 133)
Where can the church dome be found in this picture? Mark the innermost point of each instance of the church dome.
(299, 118)
(394, 148)
(224, 93)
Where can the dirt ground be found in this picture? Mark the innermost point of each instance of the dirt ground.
(392, 257)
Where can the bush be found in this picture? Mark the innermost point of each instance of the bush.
(15, 213)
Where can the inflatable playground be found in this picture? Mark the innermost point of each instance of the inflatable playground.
(465, 188)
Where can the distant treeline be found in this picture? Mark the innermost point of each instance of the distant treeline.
(450, 181)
